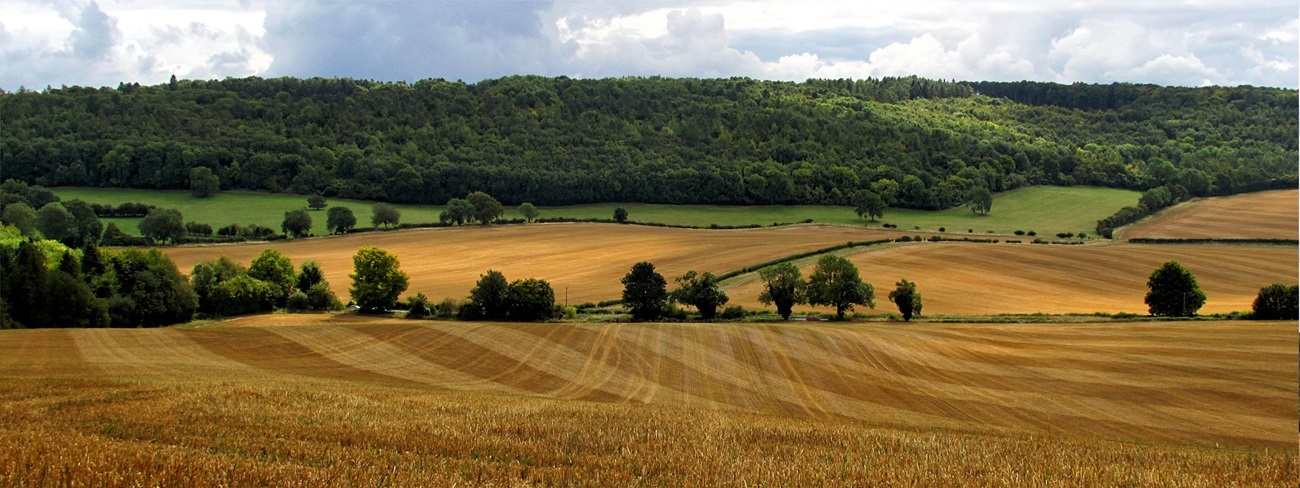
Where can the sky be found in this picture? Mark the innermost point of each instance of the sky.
(1187, 43)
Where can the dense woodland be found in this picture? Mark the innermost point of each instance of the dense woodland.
(550, 141)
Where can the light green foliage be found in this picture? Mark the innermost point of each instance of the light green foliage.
(979, 200)
(385, 215)
(835, 282)
(377, 279)
(529, 211)
(276, 269)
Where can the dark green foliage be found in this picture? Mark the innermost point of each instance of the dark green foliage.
(645, 292)
(244, 294)
(208, 275)
(309, 274)
(340, 220)
(275, 269)
(197, 229)
(20, 215)
(459, 211)
(203, 182)
(980, 200)
(529, 211)
(316, 202)
(297, 302)
(377, 280)
(486, 208)
(489, 297)
(784, 286)
(701, 292)
(868, 203)
(89, 228)
(530, 300)
(163, 225)
(835, 282)
(385, 215)
(320, 297)
(620, 215)
(1277, 302)
(907, 299)
(57, 223)
(418, 307)
(297, 223)
(735, 312)
(1174, 292)
(148, 290)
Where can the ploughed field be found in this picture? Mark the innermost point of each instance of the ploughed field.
(954, 278)
(1262, 215)
(347, 400)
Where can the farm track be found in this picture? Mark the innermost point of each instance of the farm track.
(1229, 384)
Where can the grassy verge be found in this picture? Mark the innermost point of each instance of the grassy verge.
(1046, 210)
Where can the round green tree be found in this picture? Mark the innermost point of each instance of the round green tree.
(377, 280)
(1174, 292)
(784, 286)
(701, 292)
(835, 282)
(907, 299)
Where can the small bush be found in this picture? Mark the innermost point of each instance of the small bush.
(935, 238)
(970, 231)
(298, 302)
(732, 313)
(1020, 232)
(418, 307)
(904, 239)
(941, 229)
(1031, 233)
(570, 313)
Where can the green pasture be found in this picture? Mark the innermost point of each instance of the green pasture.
(1046, 210)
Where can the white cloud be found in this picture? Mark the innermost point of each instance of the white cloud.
(1187, 43)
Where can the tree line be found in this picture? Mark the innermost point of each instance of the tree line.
(916, 143)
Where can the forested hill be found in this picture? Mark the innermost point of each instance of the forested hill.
(921, 143)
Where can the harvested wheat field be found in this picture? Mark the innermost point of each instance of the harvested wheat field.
(985, 279)
(347, 400)
(1263, 215)
(587, 259)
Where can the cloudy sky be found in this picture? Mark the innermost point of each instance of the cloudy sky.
(1189, 42)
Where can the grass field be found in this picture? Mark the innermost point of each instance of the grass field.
(1046, 210)
(1263, 215)
(292, 400)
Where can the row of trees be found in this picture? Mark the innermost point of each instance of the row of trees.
(559, 141)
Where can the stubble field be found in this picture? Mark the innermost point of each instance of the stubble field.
(345, 400)
(1262, 215)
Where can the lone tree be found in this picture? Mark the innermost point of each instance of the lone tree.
(701, 292)
(645, 292)
(835, 282)
(620, 215)
(1277, 302)
(377, 279)
(203, 183)
(486, 208)
(385, 215)
(529, 211)
(868, 203)
(316, 202)
(980, 200)
(297, 223)
(1174, 292)
(907, 299)
(340, 220)
(784, 286)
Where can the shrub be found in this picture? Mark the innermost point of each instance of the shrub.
(1277, 302)
(570, 313)
(298, 302)
(904, 239)
(446, 309)
(417, 307)
(941, 229)
(1031, 233)
(1019, 232)
(734, 312)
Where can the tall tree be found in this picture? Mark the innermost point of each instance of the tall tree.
(377, 280)
(458, 211)
(645, 292)
(835, 282)
(979, 199)
(297, 223)
(530, 300)
(907, 299)
(1173, 292)
(203, 183)
(276, 269)
(868, 203)
(784, 286)
(489, 297)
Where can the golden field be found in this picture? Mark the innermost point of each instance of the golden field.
(311, 400)
(1262, 215)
